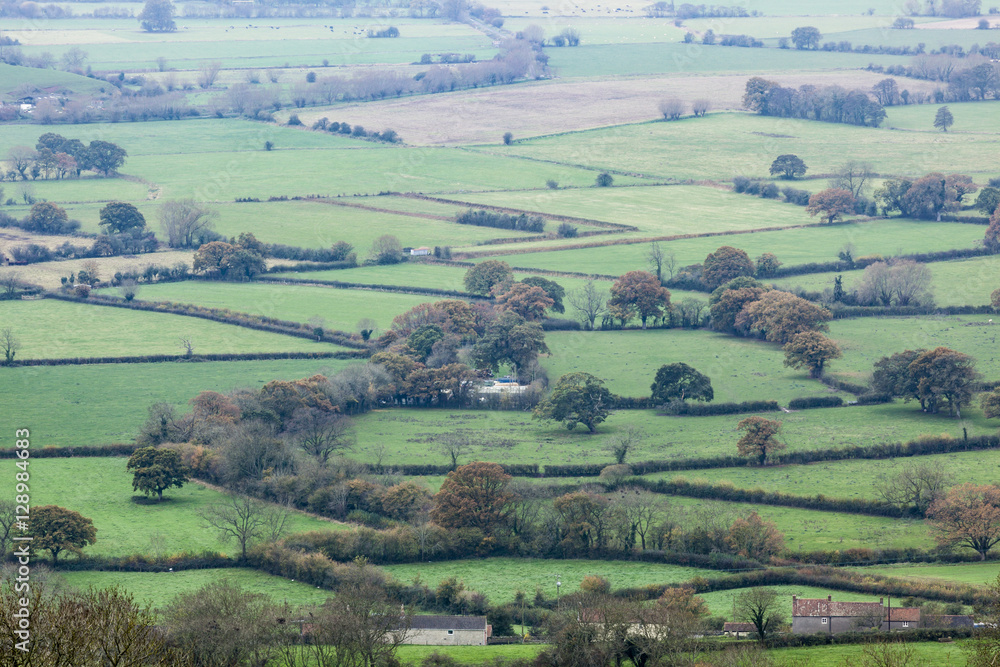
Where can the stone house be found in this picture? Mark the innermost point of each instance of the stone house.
(812, 615)
(448, 631)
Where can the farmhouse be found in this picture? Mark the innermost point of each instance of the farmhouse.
(738, 630)
(422, 251)
(812, 615)
(449, 631)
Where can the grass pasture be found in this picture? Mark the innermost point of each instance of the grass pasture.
(59, 329)
(724, 145)
(340, 308)
(408, 435)
(126, 527)
(931, 653)
(14, 76)
(979, 117)
(160, 588)
(973, 574)
(628, 361)
(959, 282)
(791, 246)
(854, 478)
(104, 403)
(500, 578)
(866, 340)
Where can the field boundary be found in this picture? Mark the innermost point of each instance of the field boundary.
(194, 358)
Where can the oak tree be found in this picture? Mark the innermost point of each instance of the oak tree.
(681, 382)
(812, 350)
(832, 203)
(968, 516)
(789, 166)
(780, 315)
(474, 496)
(57, 529)
(528, 301)
(578, 398)
(642, 292)
(483, 277)
(759, 439)
(725, 264)
(156, 470)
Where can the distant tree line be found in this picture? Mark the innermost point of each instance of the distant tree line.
(832, 104)
(55, 156)
(484, 218)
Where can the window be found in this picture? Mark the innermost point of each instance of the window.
(451, 632)
(822, 621)
(906, 624)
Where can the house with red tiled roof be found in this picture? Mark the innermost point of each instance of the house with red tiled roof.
(812, 615)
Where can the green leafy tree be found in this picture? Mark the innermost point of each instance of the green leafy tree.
(943, 119)
(789, 166)
(725, 264)
(988, 200)
(157, 16)
(483, 277)
(812, 350)
(121, 218)
(642, 292)
(991, 404)
(604, 180)
(806, 37)
(761, 607)
(423, 338)
(105, 157)
(156, 470)
(578, 398)
(681, 382)
(509, 340)
(57, 529)
(759, 439)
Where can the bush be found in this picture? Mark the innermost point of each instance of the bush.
(294, 120)
(708, 409)
(815, 402)
(567, 231)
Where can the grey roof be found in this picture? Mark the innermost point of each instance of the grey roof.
(448, 623)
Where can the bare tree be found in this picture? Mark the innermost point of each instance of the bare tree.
(321, 433)
(671, 108)
(9, 344)
(208, 73)
(21, 158)
(623, 443)
(910, 281)
(589, 302)
(128, 289)
(915, 485)
(186, 222)
(246, 521)
(640, 509)
(670, 264)
(457, 444)
(188, 344)
(9, 281)
(700, 107)
(854, 176)
(655, 258)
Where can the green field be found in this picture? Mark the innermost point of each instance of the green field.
(866, 340)
(959, 282)
(931, 653)
(628, 361)
(160, 588)
(52, 329)
(500, 578)
(340, 308)
(13, 76)
(969, 117)
(470, 655)
(974, 574)
(101, 490)
(720, 603)
(408, 435)
(103, 403)
(791, 246)
(690, 148)
(855, 479)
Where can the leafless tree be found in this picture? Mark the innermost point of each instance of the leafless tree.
(670, 264)
(9, 281)
(9, 344)
(854, 176)
(21, 158)
(208, 73)
(321, 433)
(910, 281)
(691, 310)
(655, 258)
(589, 302)
(457, 444)
(700, 107)
(671, 108)
(188, 344)
(914, 485)
(246, 520)
(128, 289)
(640, 510)
(623, 443)
(184, 221)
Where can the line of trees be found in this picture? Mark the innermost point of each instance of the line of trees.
(832, 104)
(55, 156)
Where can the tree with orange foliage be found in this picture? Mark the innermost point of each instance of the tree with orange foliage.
(528, 301)
(752, 537)
(475, 496)
(760, 439)
(968, 516)
(832, 203)
(642, 291)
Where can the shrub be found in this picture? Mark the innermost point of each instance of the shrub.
(815, 402)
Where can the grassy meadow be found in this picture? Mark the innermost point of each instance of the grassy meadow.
(125, 526)
(82, 330)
